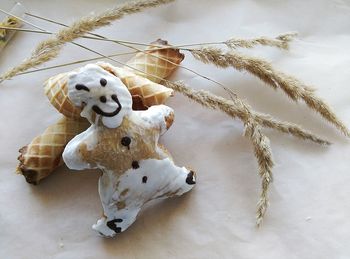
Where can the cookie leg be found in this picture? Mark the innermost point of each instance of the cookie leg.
(123, 197)
(154, 179)
(120, 221)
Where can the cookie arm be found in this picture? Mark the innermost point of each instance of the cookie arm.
(159, 116)
(72, 153)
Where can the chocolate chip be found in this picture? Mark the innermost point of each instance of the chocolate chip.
(135, 164)
(144, 179)
(190, 179)
(126, 141)
(103, 82)
(103, 99)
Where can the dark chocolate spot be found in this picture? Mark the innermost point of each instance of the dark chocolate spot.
(144, 179)
(103, 99)
(112, 225)
(190, 178)
(126, 142)
(115, 98)
(135, 164)
(103, 82)
(82, 87)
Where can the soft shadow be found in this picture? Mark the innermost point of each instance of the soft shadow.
(65, 185)
(158, 214)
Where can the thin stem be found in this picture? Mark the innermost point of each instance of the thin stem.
(24, 30)
(81, 46)
(46, 31)
(100, 37)
(76, 62)
(51, 47)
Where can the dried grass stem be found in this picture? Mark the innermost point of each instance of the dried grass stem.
(261, 143)
(262, 69)
(51, 47)
(281, 41)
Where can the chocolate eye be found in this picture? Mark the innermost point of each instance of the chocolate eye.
(103, 99)
(103, 82)
(82, 87)
(114, 97)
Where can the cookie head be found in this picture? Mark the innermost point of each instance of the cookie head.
(100, 93)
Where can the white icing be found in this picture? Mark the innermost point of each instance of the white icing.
(155, 115)
(71, 155)
(90, 76)
(163, 178)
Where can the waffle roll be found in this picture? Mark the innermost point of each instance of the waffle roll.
(43, 155)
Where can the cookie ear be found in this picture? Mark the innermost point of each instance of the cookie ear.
(72, 75)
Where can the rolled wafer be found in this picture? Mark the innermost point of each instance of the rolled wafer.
(160, 63)
(145, 92)
(43, 155)
(56, 90)
(149, 92)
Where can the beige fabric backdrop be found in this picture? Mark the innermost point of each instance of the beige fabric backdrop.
(310, 204)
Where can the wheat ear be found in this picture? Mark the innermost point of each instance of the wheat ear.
(260, 142)
(268, 121)
(281, 41)
(263, 153)
(51, 47)
(237, 108)
(262, 69)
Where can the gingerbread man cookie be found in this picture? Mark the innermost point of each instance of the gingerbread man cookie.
(124, 144)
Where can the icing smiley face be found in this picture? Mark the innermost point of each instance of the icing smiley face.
(99, 92)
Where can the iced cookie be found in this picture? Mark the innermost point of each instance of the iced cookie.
(123, 143)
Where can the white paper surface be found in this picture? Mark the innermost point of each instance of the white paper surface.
(310, 196)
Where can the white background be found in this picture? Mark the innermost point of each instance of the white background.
(310, 197)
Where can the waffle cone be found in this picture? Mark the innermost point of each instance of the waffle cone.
(56, 90)
(145, 90)
(149, 92)
(39, 158)
(161, 63)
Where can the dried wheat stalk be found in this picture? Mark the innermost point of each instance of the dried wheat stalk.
(237, 108)
(253, 121)
(263, 153)
(281, 41)
(51, 47)
(260, 142)
(268, 121)
(263, 70)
